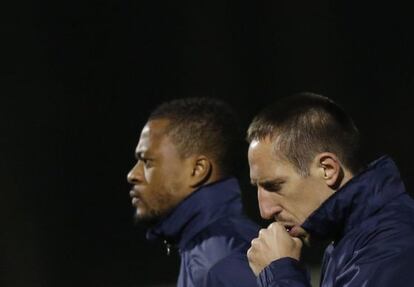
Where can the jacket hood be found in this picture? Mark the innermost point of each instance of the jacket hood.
(361, 197)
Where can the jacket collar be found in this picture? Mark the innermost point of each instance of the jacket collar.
(202, 207)
(362, 196)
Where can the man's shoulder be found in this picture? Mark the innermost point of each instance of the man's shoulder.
(391, 225)
(386, 235)
(227, 233)
(377, 253)
(225, 237)
(217, 255)
(231, 229)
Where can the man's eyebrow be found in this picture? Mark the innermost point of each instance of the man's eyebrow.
(270, 182)
(144, 154)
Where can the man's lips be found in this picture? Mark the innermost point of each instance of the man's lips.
(134, 194)
(135, 201)
(135, 191)
(291, 228)
(294, 231)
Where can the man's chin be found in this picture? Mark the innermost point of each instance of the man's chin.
(299, 232)
(306, 240)
(147, 220)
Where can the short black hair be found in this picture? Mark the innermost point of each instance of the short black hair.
(203, 125)
(306, 124)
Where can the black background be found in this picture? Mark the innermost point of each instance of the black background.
(78, 79)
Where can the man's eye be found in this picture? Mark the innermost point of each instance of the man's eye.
(147, 162)
(272, 188)
(143, 160)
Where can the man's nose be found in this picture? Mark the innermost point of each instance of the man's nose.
(268, 205)
(135, 174)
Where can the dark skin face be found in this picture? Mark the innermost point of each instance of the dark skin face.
(161, 178)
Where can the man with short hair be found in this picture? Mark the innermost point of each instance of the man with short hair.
(182, 186)
(303, 158)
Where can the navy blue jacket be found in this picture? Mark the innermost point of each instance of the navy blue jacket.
(371, 222)
(212, 236)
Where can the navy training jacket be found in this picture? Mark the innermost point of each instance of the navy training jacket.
(212, 236)
(371, 222)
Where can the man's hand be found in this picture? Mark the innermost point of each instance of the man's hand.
(273, 243)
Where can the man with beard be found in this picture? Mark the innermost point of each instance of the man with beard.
(182, 185)
(303, 158)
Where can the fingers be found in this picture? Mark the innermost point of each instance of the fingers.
(277, 227)
(254, 255)
(272, 243)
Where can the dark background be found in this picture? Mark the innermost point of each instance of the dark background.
(78, 79)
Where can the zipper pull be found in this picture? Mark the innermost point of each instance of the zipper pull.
(168, 247)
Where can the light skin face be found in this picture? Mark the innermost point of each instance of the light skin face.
(288, 198)
(161, 178)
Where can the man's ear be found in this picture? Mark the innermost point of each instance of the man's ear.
(330, 169)
(201, 170)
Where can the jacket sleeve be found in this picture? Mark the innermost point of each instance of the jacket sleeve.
(232, 271)
(284, 272)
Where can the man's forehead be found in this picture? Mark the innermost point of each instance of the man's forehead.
(152, 135)
(269, 147)
(261, 150)
(266, 162)
(156, 127)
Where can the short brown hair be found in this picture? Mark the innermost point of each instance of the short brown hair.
(306, 124)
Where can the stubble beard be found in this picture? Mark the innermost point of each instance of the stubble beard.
(150, 216)
(148, 219)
